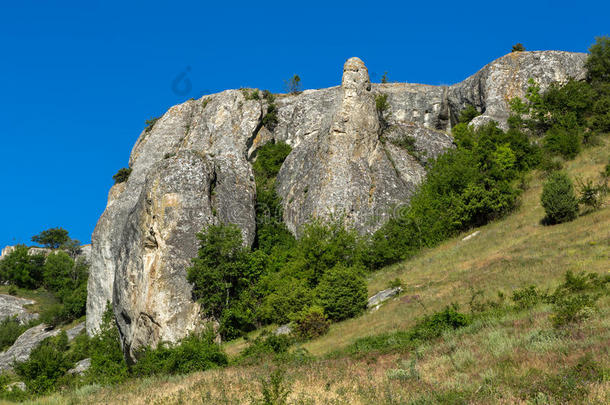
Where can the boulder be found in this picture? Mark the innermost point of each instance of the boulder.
(23, 346)
(15, 307)
(382, 296)
(283, 330)
(80, 367)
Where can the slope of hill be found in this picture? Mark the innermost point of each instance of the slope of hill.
(504, 355)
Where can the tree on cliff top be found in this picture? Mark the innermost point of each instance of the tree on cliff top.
(52, 238)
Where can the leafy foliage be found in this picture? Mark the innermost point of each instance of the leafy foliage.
(10, 330)
(293, 85)
(122, 175)
(108, 365)
(52, 238)
(22, 269)
(46, 365)
(196, 352)
(342, 292)
(150, 123)
(558, 199)
(518, 47)
(468, 114)
(311, 323)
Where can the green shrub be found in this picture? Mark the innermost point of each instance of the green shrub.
(560, 141)
(150, 123)
(311, 323)
(122, 175)
(274, 389)
(433, 326)
(220, 271)
(10, 330)
(518, 47)
(108, 365)
(598, 61)
(293, 85)
(383, 107)
(196, 352)
(468, 114)
(558, 199)
(266, 345)
(591, 195)
(46, 365)
(527, 297)
(342, 292)
(22, 269)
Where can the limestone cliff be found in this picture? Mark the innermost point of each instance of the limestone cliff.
(193, 168)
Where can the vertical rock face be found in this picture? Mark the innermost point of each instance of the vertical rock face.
(192, 169)
(346, 170)
(188, 171)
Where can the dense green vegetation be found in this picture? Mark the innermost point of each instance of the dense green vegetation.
(122, 175)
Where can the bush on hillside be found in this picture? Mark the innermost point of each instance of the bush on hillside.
(21, 269)
(342, 292)
(47, 365)
(196, 352)
(108, 365)
(558, 199)
(311, 323)
(10, 330)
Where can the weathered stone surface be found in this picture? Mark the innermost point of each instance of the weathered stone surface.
(382, 296)
(192, 169)
(23, 346)
(345, 171)
(491, 88)
(17, 385)
(14, 306)
(283, 330)
(80, 367)
(75, 331)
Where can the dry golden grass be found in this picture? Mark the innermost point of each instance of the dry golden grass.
(509, 359)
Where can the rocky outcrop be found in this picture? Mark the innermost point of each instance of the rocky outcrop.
(346, 171)
(192, 168)
(80, 367)
(15, 307)
(75, 331)
(23, 346)
(491, 88)
(382, 296)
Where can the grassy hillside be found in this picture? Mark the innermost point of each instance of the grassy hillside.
(505, 357)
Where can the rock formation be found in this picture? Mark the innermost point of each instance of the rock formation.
(192, 168)
(15, 307)
(23, 346)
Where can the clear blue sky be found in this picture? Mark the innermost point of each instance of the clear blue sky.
(78, 79)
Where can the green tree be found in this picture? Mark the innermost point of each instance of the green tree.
(122, 175)
(22, 269)
(52, 238)
(598, 61)
(108, 365)
(220, 271)
(558, 199)
(342, 292)
(518, 47)
(294, 85)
